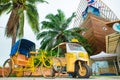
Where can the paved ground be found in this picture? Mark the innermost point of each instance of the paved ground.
(63, 78)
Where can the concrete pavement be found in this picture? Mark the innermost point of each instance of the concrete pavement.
(63, 78)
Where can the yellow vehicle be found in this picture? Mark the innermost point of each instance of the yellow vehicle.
(76, 60)
(24, 60)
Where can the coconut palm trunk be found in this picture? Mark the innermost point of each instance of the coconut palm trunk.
(13, 26)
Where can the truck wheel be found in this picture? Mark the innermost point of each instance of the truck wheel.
(85, 73)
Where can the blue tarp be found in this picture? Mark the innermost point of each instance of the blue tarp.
(23, 46)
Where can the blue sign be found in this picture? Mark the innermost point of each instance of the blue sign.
(116, 27)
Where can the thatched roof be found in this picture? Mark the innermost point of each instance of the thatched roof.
(96, 32)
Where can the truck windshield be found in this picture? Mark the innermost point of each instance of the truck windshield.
(75, 47)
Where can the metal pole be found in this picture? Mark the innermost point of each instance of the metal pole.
(115, 67)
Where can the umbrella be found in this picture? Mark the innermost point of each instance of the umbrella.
(103, 56)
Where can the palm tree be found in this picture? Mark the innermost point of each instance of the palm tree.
(56, 30)
(18, 8)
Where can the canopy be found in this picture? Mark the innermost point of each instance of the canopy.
(23, 46)
(103, 56)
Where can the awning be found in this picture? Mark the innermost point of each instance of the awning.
(103, 56)
(23, 46)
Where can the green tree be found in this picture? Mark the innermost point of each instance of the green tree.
(56, 30)
(18, 9)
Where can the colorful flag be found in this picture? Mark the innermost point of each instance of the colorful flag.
(91, 2)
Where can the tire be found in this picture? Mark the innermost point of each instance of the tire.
(52, 70)
(57, 67)
(85, 73)
(74, 74)
(7, 68)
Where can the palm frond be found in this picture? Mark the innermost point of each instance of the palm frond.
(50, 26)
(60, 17)
(49, 37)
(5, 8)
(46, 33)
(52, 19)
(41, 35)
(21, 23)
(46, 42)
(46, 25)
(77, 29)
(42, 1)
(35, 1)
(4, 1)
(70, 18)
(67, 23)
(43, 44)
(33, 17)
(68, 36)
(56, 21)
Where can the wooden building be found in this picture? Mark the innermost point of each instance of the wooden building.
(96, 32)
(99, 33)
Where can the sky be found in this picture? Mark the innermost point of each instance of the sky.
(67, 6)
